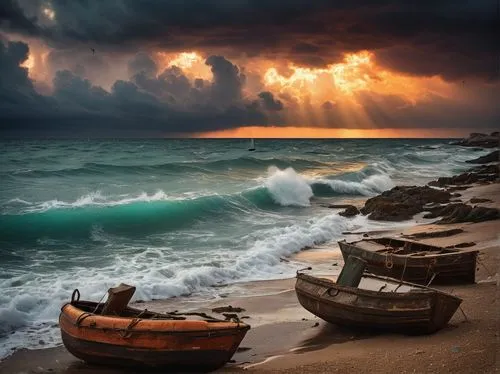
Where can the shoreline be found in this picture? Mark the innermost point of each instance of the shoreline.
(286, 338)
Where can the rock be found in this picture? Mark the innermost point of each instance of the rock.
(403, 202)
(219, 285)
(230, 316)
(228, 309)
(484, 173)
(457, 213)
(490, 157)
(350, 211)
(436, 234)
(480, 140)
(243, 349)
(476, 200)
(457, 188)
(339, 206)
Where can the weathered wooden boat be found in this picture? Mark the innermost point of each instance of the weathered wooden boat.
(412, 261)
(144, 338)
(377, 303)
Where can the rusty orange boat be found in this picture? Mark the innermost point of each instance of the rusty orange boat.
(144, 338)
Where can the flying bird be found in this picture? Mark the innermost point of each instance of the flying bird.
(93, 51)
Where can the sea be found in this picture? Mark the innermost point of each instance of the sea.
(177, 217)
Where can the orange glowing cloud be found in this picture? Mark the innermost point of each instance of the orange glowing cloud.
(357, 72)
(29, 63)
(36, 64)
(191, 63)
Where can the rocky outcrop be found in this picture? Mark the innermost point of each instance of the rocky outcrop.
(478, 200)
(480, 140)
(480, 174)
(490, 157)
(457, 213)
(339, 206)
(350, 211)
(403, 202)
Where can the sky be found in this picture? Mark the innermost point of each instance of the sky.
(248, 68)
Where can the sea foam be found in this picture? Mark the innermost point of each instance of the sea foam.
(155, 274)
(287, 187)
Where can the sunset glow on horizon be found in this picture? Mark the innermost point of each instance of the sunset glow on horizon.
(292, 132)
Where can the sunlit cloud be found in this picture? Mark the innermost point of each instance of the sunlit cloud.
(357, 73)
(49, 13)
(191, 63)
(29, 63)
(185, 60)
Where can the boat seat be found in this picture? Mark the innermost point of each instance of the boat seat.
(118, 299)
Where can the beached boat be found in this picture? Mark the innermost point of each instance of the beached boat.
(412, 261)
(143, 338)
(377, 303)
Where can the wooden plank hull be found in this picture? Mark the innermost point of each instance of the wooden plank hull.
(170, 344)
(420, 311)
(450, 268)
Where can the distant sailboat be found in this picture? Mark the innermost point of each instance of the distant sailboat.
(252, 145)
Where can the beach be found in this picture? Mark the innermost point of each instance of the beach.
(285, 338)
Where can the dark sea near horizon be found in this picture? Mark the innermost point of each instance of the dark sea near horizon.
(175, 217)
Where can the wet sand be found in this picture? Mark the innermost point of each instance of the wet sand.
(285, 338)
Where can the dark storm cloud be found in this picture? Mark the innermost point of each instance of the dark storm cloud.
(17, 93)
(145, 105)
(152, 103)
(270, 103)
(14, 18)
(455, 39)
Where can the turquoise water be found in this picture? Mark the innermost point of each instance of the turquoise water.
(175, 217)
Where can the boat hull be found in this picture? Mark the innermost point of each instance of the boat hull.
(169, 344)
(418, 312)
(452, 268)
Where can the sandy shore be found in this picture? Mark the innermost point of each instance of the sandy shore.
(285, 338)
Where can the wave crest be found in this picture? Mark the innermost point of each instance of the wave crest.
(288, 188)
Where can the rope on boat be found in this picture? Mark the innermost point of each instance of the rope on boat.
(404, 270)
(99, 303)
(465, 316)
(81, 317)
(75, 296)
(429, 268)
(432, 278)
(128, 331)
